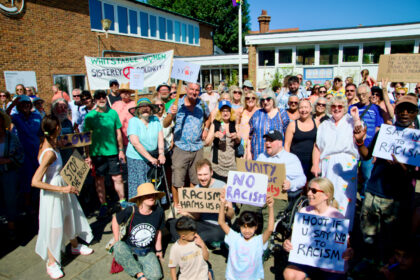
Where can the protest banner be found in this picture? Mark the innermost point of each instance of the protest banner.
(75, 140)
(247, 188)
(276, 174)
(184, 71)
(319, 241)
(399, 68)
(75, 171)
(404, 143)
(156, 68)
(200, 200)
(13, 78)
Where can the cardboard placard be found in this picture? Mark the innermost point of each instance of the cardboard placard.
(247, 188)
(319, 241)
(399, 68)
(75, 171)
(276, 174)
(76, 140)
(185, 71)
(200, 200)
(136, 79)
(404, 143)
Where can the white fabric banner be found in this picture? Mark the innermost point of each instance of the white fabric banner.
(156, 68)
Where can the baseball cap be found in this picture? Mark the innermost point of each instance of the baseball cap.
(407, 99)
(224, 103)
(24, 98)
(274, 135)
(248, 84)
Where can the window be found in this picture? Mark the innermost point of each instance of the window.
(184, 33)
(190, 34)
(170, 30)
(153, 26)
(402, 47)
(133, 21)
(196, 35)
(95, 12)
(372, 52)
(215, 74)
(328, 54)
(305, 55)
(285, 56)
(109, 14)
(122, 20)
(266, 58)
(351, 54)
(144, 24)
(69, 82)
(177, 31)
(162, 28)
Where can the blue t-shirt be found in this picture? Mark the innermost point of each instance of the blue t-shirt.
(245, 257)
(372, 119)
(148, 135)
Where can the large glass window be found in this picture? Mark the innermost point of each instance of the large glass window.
(144, 24)
(184, 33)
(402, 47)
(153, 26)
(196, 35)
(351, 54)
(177, 31)
(285, 56)
(266, 58)
(305, 55)
(190, 34)
(215, 74)
(122, 20)
(170, 29)
(372, 52)
(162, 28)
(109, 14)
(328, 54)
(95, 12)
(133, 21)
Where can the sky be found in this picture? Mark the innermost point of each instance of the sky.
(321, 14)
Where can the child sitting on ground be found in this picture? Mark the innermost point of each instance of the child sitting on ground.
(189, 252)
(245, 260)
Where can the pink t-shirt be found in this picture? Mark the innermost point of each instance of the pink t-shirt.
(60, 94)
(122, 109)
(331, 212)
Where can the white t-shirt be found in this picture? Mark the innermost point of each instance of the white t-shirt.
(189, 258)
(245, 257)
(212, 100)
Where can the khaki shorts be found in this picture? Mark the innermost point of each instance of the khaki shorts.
(183, 162)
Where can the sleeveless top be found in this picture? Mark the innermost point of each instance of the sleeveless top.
(303, 143)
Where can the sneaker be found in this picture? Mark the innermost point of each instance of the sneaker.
(81, 249)
(54, 271)
(103, 211)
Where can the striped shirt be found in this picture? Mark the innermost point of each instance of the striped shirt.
(372, 119)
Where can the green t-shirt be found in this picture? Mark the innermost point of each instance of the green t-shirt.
(103, 126)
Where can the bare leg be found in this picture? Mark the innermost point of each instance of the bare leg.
(175, 195)
(119, 185)
(100, 188)
(51, 259)
(74, 242)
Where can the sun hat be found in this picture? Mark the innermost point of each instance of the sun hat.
(146, 189)
(144, 101)
(125, 88)
(163, 85)
(248, 84)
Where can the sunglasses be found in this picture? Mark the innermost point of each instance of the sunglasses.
(268, 99)
(100, 97)
(249, 98)
(376, 94)
(322, 91)
(340, 107)
(160, 105)
(350, 90)
(314, 191)
(321, 104)
(293, 102)
(19, 89)
(417, 87)
(400, 93)
(2, 95)
(77, 95)
(237, 92)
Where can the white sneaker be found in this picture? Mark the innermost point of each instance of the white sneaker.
(54, 271)
(81, 249)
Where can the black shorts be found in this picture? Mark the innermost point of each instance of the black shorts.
(107, 165)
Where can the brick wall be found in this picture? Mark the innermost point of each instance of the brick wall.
(52, 37)
(252, 65)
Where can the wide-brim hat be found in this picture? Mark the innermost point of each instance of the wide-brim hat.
(146, 189)
(144, 102)
(125, 88)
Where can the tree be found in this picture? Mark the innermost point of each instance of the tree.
(218, 12)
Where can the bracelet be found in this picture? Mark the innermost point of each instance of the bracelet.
(141, 277)
(158, 251)
(361, 144)
(121, 150)
(206, 129)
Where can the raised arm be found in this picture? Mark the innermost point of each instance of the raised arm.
(267, 233)
(221, 220)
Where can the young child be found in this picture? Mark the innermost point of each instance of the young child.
(189, 252)
(245, 249)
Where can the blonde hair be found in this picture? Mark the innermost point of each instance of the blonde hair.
(327, 187)
(236, 88)
(218, 116)
(257, 99)
(403, 88)
(339, 99)
(223, 94)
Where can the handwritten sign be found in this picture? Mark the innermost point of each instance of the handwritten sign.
(404, 143)
(200, 200)
(319, 241)
(399, 67)
(276, 174)
(137, 79)
(76, 140)
(75, 171)
(247, 188)
(185, 71)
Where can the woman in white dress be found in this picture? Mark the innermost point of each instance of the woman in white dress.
(335, 156)
(60, 216)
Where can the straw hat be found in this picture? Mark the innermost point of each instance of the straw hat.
(146, 189)
(125, 88)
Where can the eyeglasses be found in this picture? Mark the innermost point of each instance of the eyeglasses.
(322, 91)
(268, 99)
(350, 90)
(19, 89)
(321, 104)
(293, 102)
(237, 92)
(2, 95)
(249, 98)
(340, 107)
(77, 95)
(314, 191)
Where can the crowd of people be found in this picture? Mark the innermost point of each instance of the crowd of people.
(324, 134)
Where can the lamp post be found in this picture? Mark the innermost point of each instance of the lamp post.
(106, 25)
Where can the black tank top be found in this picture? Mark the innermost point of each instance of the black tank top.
(303, 143)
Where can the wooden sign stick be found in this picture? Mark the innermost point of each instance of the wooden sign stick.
(178, 92)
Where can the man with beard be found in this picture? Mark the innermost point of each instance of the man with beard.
(293, 84)
(77, 109)
(106, 152)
